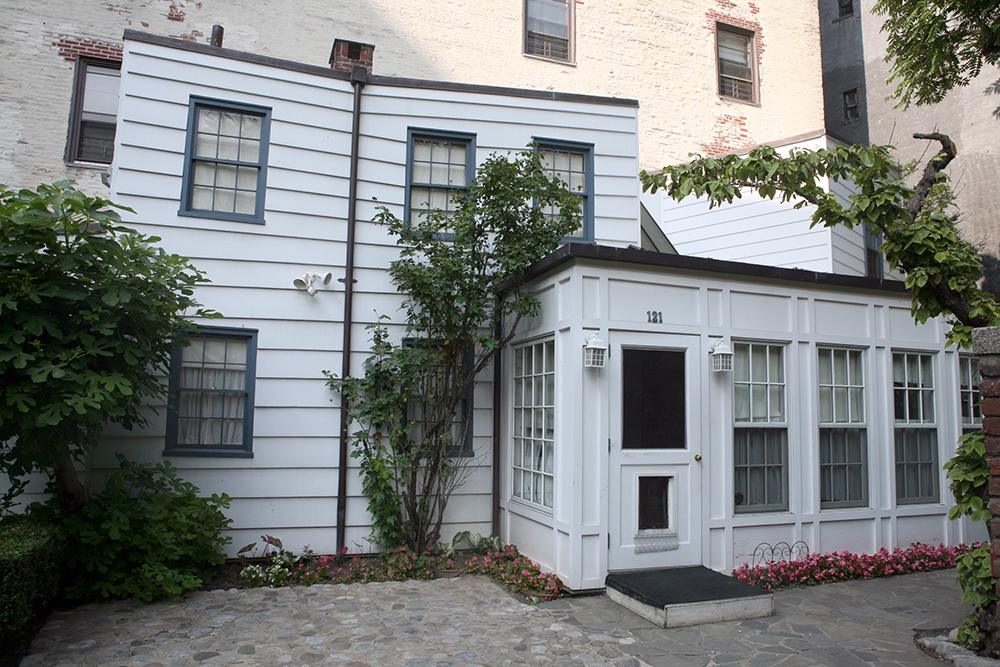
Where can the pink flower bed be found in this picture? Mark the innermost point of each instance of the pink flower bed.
(845, 566)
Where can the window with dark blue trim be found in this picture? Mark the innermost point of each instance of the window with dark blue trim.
(210, 405)
(225, 161)
(414, 411)
(572, 163)
(439, 166)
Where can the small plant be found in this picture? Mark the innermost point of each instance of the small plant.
(278, 567)
(252, 576)
(475, 541)
(147, 536)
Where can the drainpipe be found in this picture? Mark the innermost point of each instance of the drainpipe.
(497, 379)
(359, 76)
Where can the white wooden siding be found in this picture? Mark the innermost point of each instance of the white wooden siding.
(289, 487)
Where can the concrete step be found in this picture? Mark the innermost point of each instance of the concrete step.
(679, 596)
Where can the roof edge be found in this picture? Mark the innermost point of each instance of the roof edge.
(572, 251)
(317, 70)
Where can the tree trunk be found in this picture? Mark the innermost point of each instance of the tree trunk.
(70, 493)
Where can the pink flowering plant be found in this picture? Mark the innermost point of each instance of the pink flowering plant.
(846, 566)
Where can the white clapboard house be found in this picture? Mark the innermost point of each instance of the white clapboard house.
(830, 428)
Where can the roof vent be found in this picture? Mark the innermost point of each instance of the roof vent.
(348, 54)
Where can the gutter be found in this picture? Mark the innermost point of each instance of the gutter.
(359, 76)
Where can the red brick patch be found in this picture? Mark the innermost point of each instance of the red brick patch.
(72, 47)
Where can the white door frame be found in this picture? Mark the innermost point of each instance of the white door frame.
(681, 543)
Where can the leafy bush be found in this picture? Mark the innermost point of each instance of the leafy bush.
(31, 556)
(846, 566)
(147, 536)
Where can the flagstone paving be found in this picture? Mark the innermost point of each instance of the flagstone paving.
(472, 621)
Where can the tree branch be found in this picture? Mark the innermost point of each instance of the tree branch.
(934, 166)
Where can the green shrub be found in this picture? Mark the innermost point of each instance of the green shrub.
(147, 536)
(31, 561)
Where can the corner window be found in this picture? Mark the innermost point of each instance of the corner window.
(94, 113)
(852, 111)
(461, 427)
(968, 390)
(573, 164)
(735, 48)
(533, 450)
(760, 434)
(916, 446)
(843, 433)
(845, 7)
(210, 407)
(439, 166)
(225, 164)
(548, 29)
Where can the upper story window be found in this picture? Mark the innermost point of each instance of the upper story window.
(852, 110)
(225, 165)
(873, 253)
(439, 166)
(573, 164)
(735, 48)
(845, 7)
(548, 29)
(843, 433)
(760, 436)
(211, 400)
(968, 389)
(95, 111)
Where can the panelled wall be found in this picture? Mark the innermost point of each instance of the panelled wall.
(289, 487)
(797, 314)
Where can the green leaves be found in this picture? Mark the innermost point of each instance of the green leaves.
(90, 312)
(460, 275)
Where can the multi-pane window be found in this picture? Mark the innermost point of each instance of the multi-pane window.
(440, 167)
(968, 390)
(95, 111)
(843, 438)
(852, 110)
(573, 164)
(211, 394)
(916, 431)
(548, 28)
(419, 403)
(534, 423)
(226, 162)
(760, 438)
(736, 67)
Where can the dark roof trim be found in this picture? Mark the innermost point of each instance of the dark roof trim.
(571, 251)
(195, 47)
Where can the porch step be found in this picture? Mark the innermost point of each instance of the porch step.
(679, 596)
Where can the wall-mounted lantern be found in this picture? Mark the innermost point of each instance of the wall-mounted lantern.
(595, 352)
(722, 357)
(310, 281)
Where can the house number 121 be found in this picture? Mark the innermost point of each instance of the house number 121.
(654, 316)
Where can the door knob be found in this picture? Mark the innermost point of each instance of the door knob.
(697, 457)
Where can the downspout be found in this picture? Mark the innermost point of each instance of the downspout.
(359, 76)
(497, 379)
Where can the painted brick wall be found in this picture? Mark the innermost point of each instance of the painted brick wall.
(661, 53)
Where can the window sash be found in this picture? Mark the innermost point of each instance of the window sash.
(841, 386)
(969, 397)
(760, 474)
(573, 164)
(533, 427)
(93, 116)
(547, 28)
(916, 459)
(843, 469)
(913, 388)
(211, 394)
(225, 169)
(734, 53)
(440, 166)
(758, 383)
